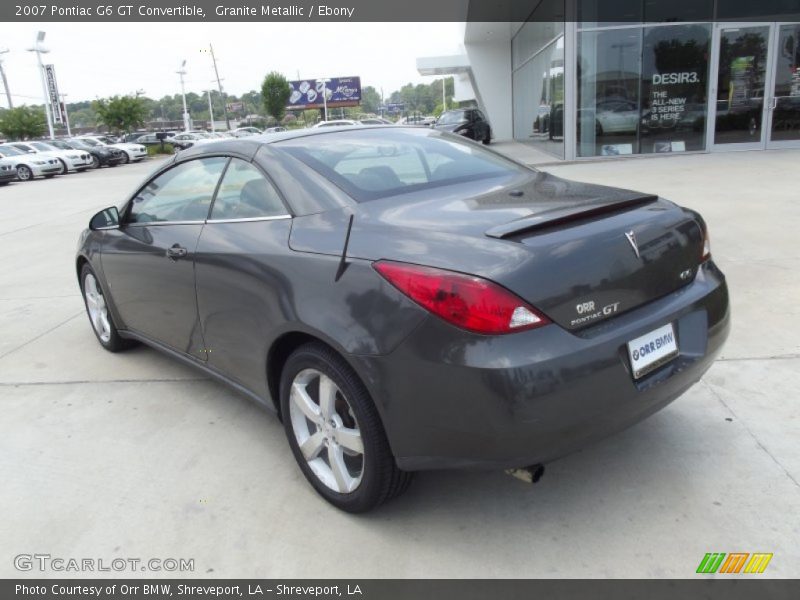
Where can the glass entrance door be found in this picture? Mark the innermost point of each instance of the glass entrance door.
(784, 104)
(738, 110)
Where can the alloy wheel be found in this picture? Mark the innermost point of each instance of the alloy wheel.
(96, 305)
(24, 173)
(326, 431)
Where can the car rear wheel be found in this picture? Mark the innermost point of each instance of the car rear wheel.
(24, 173)
(335, 432)
(99, 315)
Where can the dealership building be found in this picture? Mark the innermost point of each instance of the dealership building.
(585, 78)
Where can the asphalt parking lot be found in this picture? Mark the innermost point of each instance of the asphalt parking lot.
(134, 455)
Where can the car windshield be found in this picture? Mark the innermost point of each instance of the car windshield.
(43, 147)
(90, 142)
(370, 164)
(78, 145)
(452, 117)
(11, 151)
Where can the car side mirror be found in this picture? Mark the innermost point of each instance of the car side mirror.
(108, 218)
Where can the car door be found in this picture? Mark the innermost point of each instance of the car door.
(148, 262)
(240, 261)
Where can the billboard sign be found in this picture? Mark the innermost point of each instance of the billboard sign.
(395, 108)
(52, 93)
(234, 106)
(339, 91)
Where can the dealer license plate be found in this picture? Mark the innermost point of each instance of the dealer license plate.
(651, 350)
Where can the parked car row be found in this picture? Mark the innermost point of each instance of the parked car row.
(24, 161)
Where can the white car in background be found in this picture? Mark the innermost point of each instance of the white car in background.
(72, 161)
(29, 166)
(246, 131)
(190, 138)
(133, 151)
(337, 123)
(8, 171)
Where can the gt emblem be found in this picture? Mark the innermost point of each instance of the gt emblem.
(632, 239)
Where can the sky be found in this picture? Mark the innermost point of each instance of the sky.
(97, 60)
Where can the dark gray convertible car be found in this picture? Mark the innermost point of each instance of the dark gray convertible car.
(406, 299)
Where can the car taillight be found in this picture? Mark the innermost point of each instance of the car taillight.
(466, 301)
(706, 245)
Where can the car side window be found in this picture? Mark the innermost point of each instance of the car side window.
(182, 193)
(246, 194)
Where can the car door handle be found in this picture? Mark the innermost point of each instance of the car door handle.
(177, 251)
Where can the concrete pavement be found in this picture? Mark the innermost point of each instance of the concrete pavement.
(134, 455)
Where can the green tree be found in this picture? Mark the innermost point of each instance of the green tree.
(23, 122)
(370, 100)
(121, 113)
(275, 92)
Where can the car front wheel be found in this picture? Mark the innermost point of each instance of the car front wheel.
(335, 432)
(125, 158)
(99, 315)
(24, 173)
(95, 162)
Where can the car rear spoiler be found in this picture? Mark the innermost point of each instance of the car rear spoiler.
(564, 215)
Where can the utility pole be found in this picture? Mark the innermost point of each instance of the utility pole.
(39, 51)
(219, 86)
(324, 81)
(210, 110)
(5, 81)
(66, 115)
(182, 72)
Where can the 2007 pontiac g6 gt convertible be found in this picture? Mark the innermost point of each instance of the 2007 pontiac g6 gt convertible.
(405, 299)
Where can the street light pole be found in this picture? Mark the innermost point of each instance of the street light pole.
(66, 114)
(182, 72)
(219, 86)
(210, 110)
(324, 81)
(37, 48)
(5, 81)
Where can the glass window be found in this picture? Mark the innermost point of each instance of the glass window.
(377, 163)
(532, 37)
(609, 73)
(740, 84)
(674, 88)
(786, 115)
(538, 97)
(181, 194)
(246, 194)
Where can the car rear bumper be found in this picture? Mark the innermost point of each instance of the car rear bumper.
(450, 399)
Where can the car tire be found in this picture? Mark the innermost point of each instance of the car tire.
(64, 169)
(352, 481)
(100, 318)
(488, 139)
(2, 183)
(125, 158)
(95, 162)
(51, 175)
(24, 173)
